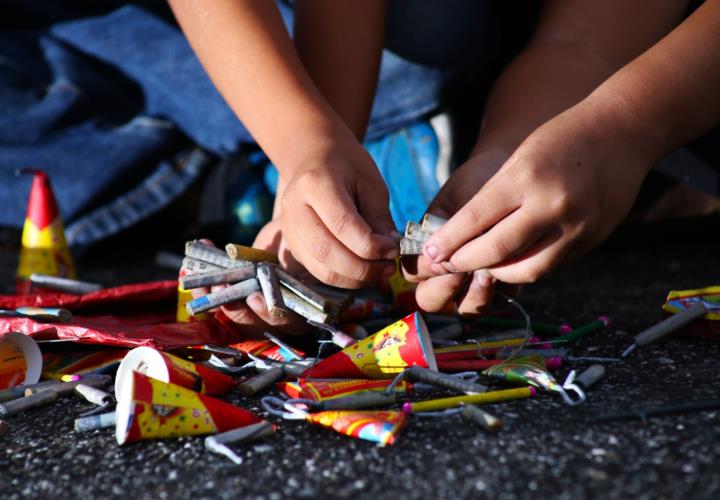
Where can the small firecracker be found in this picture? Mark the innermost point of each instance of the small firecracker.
(531, 370)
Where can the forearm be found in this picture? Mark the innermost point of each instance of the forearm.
(248, 54)
(577, 45)
(671, 94)
(340, 44)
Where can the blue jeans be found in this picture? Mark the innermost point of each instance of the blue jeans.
(118, 111)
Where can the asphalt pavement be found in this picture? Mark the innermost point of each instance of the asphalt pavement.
(545, 449)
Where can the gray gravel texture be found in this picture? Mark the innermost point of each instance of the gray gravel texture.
(545, 449)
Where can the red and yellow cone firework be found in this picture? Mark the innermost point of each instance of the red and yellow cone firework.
(44, 249)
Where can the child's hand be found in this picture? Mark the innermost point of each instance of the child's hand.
(472, 292)
(567, 186)
(251, 314)
(336, 219)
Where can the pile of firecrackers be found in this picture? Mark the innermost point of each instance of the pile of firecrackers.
(358, 383)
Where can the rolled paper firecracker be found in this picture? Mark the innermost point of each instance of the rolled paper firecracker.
(536, 326)
(241, 252)
(419, 374)
(86, 424)
(414, 231)
(15, 406)
(410, 247)
(20, 360)
(302, 307)
(238, 291)
(65, 388)
(505, 352)
(679, 300)
(200, 251)
(465, 365)
(359, 401)
(526, 370)
(380, 427)
(94, 395)
(244, 434)
(667, 326)
(432, 223)
(19, 392)
(591, 376)
(577, 333)
(482, 418)
(44, 248)
(249, 433)
(270, 287)
(40, 314)
(262, 381)
(195, 266)
(517, 334)
(149, 408)
(324, 389)
(469, 399)
(474, 351)
(384, 354)
(66, 285)
(218, 277)
(302, 290)
(172, 369)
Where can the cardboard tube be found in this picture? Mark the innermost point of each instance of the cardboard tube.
(235, 292)
(21, 404)
(261, 381)
(218, 277)
(242, 252)
(270, 287)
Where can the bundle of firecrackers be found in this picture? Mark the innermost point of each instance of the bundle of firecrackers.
(366, 386)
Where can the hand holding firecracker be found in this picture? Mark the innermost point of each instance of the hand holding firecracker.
(251, 289)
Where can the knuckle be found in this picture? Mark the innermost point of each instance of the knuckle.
(340, 223)
(498, 249)
(362, 271)
(321, 249)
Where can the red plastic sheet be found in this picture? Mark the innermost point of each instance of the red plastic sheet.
(126, 316)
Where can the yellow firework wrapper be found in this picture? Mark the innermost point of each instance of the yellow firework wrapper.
(380, 427)
(149, 408)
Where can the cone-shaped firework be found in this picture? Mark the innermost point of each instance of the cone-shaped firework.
(44, 249)
(149, 408)
(171, 369)
(381, 355)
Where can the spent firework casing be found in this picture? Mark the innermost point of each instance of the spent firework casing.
(380, 427)
(149, 408)
(44, 248)
(384, 354)
(238, 291)
(251, 254)
(327, 389)
(216, 277)
(172, 369)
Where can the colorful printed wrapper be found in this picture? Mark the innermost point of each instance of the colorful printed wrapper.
(149, 408)
(172, 369)
(77, 362)
(381, 355)
(267, 349)
(20, 360)
(525, 370)
(44, 249)
(380, 427)
(324, 389)
(709, 327)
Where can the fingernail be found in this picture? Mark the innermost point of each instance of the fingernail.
(255, 301)
(431, 251)
(389, 270)
(481, 279)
